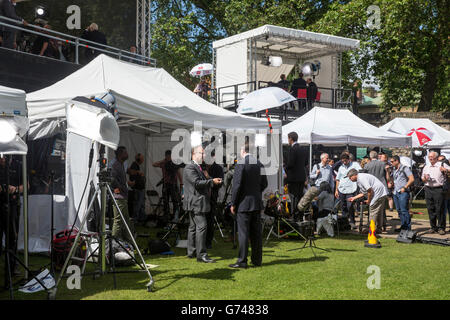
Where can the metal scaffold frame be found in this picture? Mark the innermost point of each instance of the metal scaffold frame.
(143, 27)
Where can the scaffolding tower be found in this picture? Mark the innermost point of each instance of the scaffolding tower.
(143, 27)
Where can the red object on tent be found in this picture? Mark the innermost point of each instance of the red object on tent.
(421, 135)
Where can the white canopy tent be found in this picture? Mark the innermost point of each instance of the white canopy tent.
(402, 126)
(333, 127)
(337, 127)
(151, 104)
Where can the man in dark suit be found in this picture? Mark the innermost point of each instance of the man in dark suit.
(295, 170)
(91, 33)
(246, 200)
(299, 83)
(9, 34)
(311, 92)
(197, 198)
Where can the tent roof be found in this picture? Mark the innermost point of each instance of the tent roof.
(291, 40)
(145, 97)
(12, 101)
(402, 126)
(340, 127)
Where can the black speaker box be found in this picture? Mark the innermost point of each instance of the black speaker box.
(406, 236)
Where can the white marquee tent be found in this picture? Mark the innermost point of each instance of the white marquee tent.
(402, 126)
(151, 104)
(333, 127)
(337, 127)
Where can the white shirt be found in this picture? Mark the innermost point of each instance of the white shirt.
(366, 181)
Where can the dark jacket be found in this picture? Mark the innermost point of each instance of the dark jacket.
(7, 9)
(197, 189)
(311, 91)
(296, 164)
(377, 169)
(298, 83)
(119, 180)
(248, 185)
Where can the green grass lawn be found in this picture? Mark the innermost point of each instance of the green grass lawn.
(414, 271)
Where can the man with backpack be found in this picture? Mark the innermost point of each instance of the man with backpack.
(403, 180)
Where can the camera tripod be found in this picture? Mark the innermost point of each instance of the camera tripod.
(172, 227)
(102, 189)
(310, 241)
(278, 219)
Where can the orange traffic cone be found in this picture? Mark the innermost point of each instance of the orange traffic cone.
(372, 241)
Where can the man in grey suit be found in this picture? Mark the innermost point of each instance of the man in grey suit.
(197, 199)
(246, 203)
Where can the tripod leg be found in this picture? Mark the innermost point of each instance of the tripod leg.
(172, 227)
(218, 226)
(268, 234)
(150, 284)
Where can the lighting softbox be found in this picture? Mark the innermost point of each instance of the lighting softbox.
(91, 119)
(11, 129)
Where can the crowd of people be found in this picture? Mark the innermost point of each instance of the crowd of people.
(199, 185)
(195, 192)
(304, 90)
(375, 181)
(44, 45)
(370, 181)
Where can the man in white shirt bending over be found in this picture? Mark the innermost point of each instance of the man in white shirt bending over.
(376, 195)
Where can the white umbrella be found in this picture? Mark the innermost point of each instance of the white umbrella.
(264, 99)
(420, 136)
(201, 70)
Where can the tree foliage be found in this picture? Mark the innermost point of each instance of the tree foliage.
(408, 55)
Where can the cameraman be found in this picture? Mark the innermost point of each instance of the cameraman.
(138, 177)
(12, 191)
(376, 195)
(171, 175)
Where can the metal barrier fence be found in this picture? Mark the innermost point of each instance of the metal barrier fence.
(77, 42)
(229, 97)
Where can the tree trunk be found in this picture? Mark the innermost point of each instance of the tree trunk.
(426, 99)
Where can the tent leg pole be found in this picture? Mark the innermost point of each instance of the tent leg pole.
(310, 157)
(25, 214)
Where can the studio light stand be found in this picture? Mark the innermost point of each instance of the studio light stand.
(103, 189)
(310, 241)
(8, 252)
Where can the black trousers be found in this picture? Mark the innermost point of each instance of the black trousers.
(210, 218)
(435, 204)
(13, 227)
(197, 234)
(348, 209)
(250, 229)
(9, 38)
(296, 190)
(171, 191)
